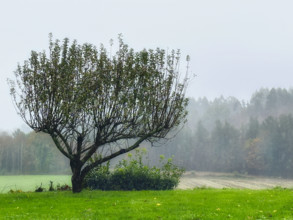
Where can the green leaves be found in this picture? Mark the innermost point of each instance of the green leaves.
(76, 90)
(133, 174)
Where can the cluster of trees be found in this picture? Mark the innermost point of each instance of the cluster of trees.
(32, 153)
(226, 135)
(223, 135)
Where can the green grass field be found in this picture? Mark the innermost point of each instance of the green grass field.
(30, 182)
(177, 204)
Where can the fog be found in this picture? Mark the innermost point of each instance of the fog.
(241, 62)
(236, 47)
(223, 135)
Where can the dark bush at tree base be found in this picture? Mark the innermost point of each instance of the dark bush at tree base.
(132, 174)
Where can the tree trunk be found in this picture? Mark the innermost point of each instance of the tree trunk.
(76, 178)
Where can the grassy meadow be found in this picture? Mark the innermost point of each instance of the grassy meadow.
(176, 204)
(199, 203)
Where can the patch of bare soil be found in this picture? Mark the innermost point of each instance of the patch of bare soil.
(191, 180)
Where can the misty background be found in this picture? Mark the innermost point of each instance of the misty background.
(223, 135)
(236, 47)
(241, 53)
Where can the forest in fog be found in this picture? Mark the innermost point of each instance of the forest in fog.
(226, 135)
(221, 135)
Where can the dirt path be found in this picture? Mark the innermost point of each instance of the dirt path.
(192, 180)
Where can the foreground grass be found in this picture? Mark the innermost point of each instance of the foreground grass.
(177, 204)
(30, 182)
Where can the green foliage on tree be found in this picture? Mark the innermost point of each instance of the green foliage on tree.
(88, 100)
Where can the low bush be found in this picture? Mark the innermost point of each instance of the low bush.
(59, 187)
(133, 174)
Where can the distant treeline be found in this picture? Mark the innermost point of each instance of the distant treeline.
(32, 153)
(223, 135)
(227, 135)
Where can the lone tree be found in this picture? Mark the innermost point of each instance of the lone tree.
(87, 100)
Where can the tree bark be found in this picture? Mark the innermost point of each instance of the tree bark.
(76, 178)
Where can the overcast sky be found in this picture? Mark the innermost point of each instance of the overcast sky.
(236, 46)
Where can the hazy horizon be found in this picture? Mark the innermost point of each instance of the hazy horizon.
(236, 48)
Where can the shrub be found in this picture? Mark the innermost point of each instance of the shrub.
(64, 187)
(133, 174)
(15, 191)
(40, 188)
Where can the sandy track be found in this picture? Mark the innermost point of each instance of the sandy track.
(222, 180)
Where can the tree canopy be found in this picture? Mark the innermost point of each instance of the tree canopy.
(87, 100)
